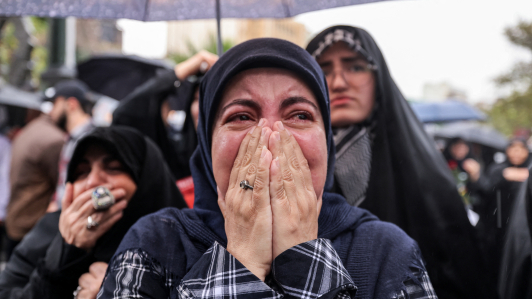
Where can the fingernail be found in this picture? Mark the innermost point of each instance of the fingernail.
(261, 122)
(263, 131)
(277, 161)
(252, 130)
(288, 132)
(277, 136)
(263, 153)
(281, 126)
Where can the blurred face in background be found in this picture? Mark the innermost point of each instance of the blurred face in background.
(517, 153)
(459, 150)
(59, 112)
(97, 168)
(351, 84)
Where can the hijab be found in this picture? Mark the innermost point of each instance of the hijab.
(409, 183)
(336, 215)
(142, 159)
(528, 160)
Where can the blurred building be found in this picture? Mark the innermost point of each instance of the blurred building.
(184, 36)
(442, 91)
(97, 37)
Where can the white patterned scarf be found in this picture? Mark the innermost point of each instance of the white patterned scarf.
(353, 162)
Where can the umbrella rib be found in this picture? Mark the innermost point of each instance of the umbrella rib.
(145, 17)
(286, 8)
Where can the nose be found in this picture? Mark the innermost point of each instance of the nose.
(337, 81)
(96, 178)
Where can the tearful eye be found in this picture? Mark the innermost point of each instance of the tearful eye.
(302, 116)
(243, 117)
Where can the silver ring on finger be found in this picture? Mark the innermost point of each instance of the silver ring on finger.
(102, 198)
(91, 223)
(76, 292)
(245, 185)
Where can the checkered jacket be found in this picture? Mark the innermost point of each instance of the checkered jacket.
(308, 270)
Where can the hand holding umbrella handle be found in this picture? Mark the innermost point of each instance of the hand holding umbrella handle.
(200, 62)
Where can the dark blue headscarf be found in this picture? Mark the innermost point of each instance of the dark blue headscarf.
(258, 53)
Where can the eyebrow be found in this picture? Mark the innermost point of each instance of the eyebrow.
(241, 102)
(345, 59)
(295, 100)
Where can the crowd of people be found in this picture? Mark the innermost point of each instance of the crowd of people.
(297, 173)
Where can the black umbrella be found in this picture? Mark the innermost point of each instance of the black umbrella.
(116, 76)
(166, 10)
(12, 96)
(472, 132)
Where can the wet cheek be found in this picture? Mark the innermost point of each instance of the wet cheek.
(316, 155)
(225, 149)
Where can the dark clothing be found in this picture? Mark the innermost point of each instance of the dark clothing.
(465, 186)
(495, 210)
(142, 110)
(33, 175)
(366, 257)
(44, 266)
(515, 278)
(410, 184)
(378, 256)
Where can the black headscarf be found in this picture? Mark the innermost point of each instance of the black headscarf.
(142, 110)
(528, 160)
(410, 184)
(156, 188)
(515, 277)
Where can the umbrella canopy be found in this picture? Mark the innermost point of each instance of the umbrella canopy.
(116, 76)
(13, 96)
(472, 132)
(448, 111)
(165, 10)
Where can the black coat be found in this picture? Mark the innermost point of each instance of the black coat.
(44, 266)
(142, 110)
(515, 278)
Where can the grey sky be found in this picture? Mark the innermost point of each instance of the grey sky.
(458, 41)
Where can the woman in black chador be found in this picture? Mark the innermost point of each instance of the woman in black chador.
(500, 187)
(465, 169)
(387, 164)
(70, 249)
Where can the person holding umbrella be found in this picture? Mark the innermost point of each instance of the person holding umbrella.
(388, 165)
(152, 109)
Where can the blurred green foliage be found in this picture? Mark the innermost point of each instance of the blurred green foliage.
(515, 111)
(9, 44)
(39, 56)
(191, 49)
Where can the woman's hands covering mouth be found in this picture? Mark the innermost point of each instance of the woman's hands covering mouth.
(281, 210)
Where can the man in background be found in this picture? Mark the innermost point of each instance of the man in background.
(71, 113)
(33, 176)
